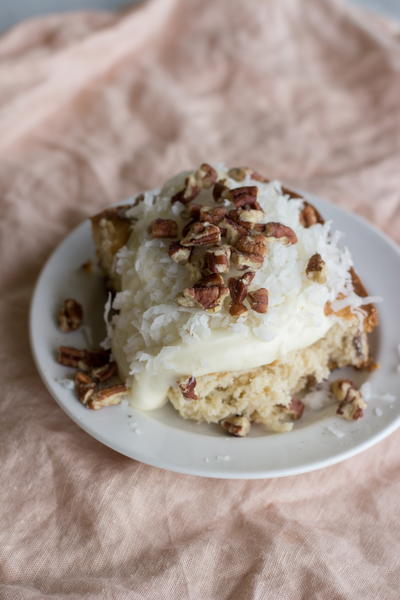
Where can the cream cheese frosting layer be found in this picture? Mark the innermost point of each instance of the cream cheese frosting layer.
(155, 340)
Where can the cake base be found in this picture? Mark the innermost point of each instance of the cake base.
(265, 394)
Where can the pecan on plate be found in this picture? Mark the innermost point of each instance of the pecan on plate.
(84, 386)
(351, 405)
(108, 396)
(293, 410)
(238, 425)
(85, 360)
(70, 316)
(280, 232)
(105, 372)
(315, 269)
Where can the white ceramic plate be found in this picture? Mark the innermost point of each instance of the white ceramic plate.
(162, 438)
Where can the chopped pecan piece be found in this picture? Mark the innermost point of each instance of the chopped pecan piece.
(278, 231)
(240, 173)
(206, 175)
(105, 372)
(208, 214)
(252, 244)
(220, 191)
(258, 177)
(217, 259)
(238, 425)
(248, 277)
(245, 197)
(210, 280)
(188, 387)
(294, 410)
(208, 297)
(351, 405)
(108, 396)
(238, 291)
(371, 314)
(85, 360)
(71, 357)
(186, 195)
(238, 309)
(237, 173)
(358, 285)
(250, 215)
(245, 260)
(70, 316)
(309, 215)
(97, 358)
(232, 229)
(84, 386)
(202, 234)
(179, 253)
(163, 228)
(259, 300)
(315, 269)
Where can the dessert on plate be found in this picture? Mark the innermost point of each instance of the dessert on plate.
(229, 297)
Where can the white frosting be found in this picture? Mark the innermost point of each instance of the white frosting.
(156, 341)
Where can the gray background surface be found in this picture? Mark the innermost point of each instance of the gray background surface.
(13, 11)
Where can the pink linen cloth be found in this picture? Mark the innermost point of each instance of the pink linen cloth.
(95, 107)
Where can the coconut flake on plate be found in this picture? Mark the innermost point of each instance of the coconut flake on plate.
(65, 382)
(339, 433)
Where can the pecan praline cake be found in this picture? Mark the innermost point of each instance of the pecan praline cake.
(230, 297)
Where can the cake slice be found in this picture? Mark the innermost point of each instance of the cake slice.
(231, 297)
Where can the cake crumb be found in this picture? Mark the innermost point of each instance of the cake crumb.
(378, 412)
